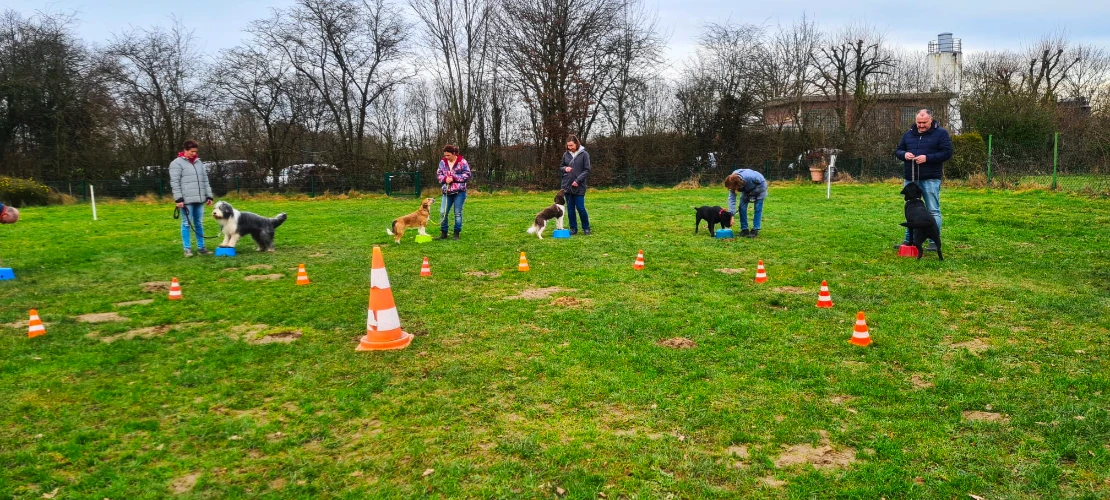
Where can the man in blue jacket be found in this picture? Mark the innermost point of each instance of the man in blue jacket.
(924, 149)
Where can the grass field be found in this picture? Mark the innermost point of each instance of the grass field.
(988, 375)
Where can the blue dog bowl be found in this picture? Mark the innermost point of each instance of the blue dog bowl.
(225, 252)
(724, 233)
(6, 273)
(561, 233)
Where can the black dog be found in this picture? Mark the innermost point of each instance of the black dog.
(919, 221)
(712, 216)
(234, 224)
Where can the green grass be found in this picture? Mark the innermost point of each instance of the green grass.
(523, 398)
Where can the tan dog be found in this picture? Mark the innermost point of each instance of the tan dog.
(417, 219)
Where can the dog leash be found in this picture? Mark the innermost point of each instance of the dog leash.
(188, 220)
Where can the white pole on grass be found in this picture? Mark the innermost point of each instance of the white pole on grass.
(828, 176)
(92, 196)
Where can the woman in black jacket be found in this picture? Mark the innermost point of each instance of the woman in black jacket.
(575, 167)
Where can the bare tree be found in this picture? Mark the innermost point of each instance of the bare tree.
(349, 51)
(848, 66)
(457, 33)
(159, 75)
(555, 53)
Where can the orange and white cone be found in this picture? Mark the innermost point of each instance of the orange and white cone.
(639, 264)
(425, 268)
(175, 290)
(760, 273)
(302, 275)
(383, 324)
(34, 326)
(523, 265)
(824, 299)
(860, 335)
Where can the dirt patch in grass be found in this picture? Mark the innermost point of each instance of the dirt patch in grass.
(821, 457)
(317, 254)
(100, 317)
(771, 482)
(21, 324)
(156, 286)
(228, 269)
(146, 333)
(729, 270)
(142, 302)
(184, 484)
(278, 484)
(246, 331)
(974, 346)
(260, 266)
(920, 383)
(279, 337)
(985, 416)
(570, 302)
(678, 343)
(538, 293)
(481, 274)
(738, 451)
(840, 399)
(791, 289)
(262, 277)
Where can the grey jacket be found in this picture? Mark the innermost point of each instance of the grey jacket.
(579, 170)
(189, 181)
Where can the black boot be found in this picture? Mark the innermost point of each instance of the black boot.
(443, 234)
(754, 233)
(456, 235)
(744, 233)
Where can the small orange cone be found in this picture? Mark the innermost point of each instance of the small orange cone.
(175, 290)
(523, 266)
(34, 326)
(302, 275)
(860, 335)
(425, 268)
(383, 325)
(639, 264)
(760, 273)
(824, 299)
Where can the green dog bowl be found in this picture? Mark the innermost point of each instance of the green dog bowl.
(422, 238)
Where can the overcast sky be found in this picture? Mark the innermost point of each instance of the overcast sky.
(983, 25)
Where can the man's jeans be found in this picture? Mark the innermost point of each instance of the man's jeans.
(930, 189)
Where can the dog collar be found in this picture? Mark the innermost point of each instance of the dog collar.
(723, 210)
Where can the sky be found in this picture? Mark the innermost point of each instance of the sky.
(983, 24)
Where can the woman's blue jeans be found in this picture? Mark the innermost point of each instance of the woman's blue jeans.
(455, 200)
(192, 213)
(577, 202)
(757, 219)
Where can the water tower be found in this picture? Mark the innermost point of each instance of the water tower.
(946, 66)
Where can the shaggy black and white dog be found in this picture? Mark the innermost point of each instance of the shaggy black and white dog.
(555, 211)
(234, 224)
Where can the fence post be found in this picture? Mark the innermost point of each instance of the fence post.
(491, 181)
(1055, 157)
(417, 176)
(236, 185)
(84, 192)
(990, 150)
(312, 186)
(160, 187)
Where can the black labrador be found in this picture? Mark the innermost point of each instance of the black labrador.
(919, 221)
(712, 216)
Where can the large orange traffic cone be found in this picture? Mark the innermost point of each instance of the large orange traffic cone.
(425, 268)
(34, 326)
(383, 325)
(302, 275)
(860, 335)
(175, 290)
(824, 299)
(639, 264)
(523, 266)
(760, 273)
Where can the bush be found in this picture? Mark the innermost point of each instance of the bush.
(969, 156)
(22, 192)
